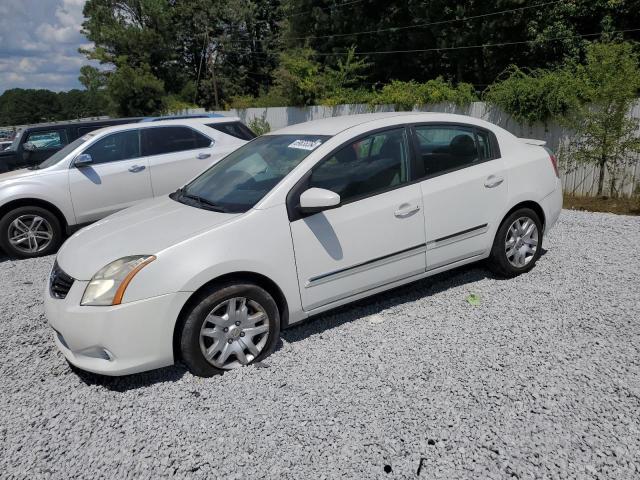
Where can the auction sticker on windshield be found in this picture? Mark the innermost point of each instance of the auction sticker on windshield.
(306, 144)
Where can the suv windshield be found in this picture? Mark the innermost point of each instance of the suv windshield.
(245, 176)
(60, 154)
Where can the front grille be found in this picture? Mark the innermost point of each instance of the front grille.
(59, 282)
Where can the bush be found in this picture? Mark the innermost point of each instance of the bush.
(406, 95)
(538, 96)
(259, 125)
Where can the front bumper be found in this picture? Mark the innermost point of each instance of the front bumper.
(118, 340)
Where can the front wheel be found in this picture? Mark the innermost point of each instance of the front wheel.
(518, 243)
(28, 232)
(229, 326)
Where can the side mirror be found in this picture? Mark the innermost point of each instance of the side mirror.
(315, 200)
(28, 147)
(83, 160)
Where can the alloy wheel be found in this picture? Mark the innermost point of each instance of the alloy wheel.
(30, 233)
(234, 333)
(521, 243)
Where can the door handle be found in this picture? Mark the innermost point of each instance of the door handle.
(406, 210)
(493, 181)
(202, 156)
(137, 168)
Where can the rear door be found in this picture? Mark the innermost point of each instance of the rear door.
(176, 154)
(464, 190)
(117, 178)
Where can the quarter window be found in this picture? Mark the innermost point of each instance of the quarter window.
(365, 167)
(448, 148)
(115, 147)
(161, 140)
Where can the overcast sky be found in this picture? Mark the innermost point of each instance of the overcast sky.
(39, 42)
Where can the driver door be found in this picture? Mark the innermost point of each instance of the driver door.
(376, 235)
(117, 177)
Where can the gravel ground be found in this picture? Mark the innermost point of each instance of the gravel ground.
(540, 380)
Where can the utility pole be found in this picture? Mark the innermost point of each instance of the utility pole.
(212, 66)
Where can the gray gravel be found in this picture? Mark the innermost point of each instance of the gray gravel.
(541, 380)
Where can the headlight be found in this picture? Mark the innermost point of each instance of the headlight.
(107, 287)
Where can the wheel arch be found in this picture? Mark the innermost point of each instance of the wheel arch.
(35, 202)
(535, 206)
(243, 276)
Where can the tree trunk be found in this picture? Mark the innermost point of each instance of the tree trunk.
(603, 162)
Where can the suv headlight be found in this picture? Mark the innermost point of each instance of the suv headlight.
(107, 287)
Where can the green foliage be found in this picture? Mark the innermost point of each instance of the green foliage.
(538, 96)
(406, 95)
(136, 91)
(26, 106)
(174, 104)
(605, 133)
(259, 125)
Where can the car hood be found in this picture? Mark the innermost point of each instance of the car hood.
(144, 229)
(17, 174)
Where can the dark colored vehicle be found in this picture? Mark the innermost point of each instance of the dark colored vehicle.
(33, 145)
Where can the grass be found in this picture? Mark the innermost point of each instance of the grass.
(623, 206)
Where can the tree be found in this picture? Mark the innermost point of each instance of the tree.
(605, 133)
(136, 91)
(202, 51)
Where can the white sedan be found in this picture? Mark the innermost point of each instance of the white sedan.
(295, 223)
(105, 171)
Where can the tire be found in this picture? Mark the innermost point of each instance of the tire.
(228, 342)
(44, 224)
(525, 240)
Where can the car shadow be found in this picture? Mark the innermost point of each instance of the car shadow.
(131, 382)
(314, 325)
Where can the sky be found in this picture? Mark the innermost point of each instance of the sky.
(39, 41)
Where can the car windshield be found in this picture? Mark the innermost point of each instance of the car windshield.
(245, 176)
(60, 154)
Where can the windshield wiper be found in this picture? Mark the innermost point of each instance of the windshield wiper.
(203, 202)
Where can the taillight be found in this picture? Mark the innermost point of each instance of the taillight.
(554, 161)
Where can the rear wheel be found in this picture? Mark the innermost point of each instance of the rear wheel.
(229, 326)
(518, 243)
(28, 232)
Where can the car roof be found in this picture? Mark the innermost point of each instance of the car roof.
(181, 117)
(81, 123)
(164, 123)
(334, 125)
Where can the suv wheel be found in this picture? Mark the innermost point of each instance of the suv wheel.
(229, 326)
(518, 243)
(28, 232)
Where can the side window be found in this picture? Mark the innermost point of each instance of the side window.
(364, 167)
(47, 139)
(160, 140)
(235, 129)
(114, 147)
(443, 148)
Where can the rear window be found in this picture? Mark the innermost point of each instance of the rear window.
(235, 129)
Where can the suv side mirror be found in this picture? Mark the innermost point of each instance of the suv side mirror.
(83, 160)
(28, 146)
(316, 200)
